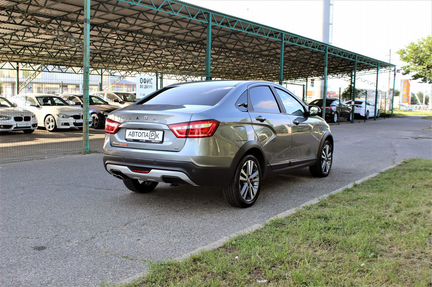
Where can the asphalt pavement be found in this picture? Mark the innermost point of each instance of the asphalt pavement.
(41, 144)
(65, 222)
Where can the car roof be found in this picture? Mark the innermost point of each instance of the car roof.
(37, 95)
(220, 83)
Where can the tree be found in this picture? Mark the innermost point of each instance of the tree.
(346, 94)
(418, 57)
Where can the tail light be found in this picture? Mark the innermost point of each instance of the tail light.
(198, 129)
(111, 127)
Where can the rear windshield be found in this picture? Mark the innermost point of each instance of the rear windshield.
(189, 94)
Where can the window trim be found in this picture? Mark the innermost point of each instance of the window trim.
(248, 109)
(277, 100)
(293, 96)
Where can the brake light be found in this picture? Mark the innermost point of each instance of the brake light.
(198, 129)
(111, 127)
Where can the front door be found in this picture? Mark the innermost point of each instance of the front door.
(270, 125)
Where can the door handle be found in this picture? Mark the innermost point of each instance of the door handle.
(260, 118)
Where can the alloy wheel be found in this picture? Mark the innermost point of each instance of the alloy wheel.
(326, 158)
(249, 180)
(95, 121)
(49, 123)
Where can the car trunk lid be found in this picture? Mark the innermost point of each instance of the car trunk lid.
(152, 121)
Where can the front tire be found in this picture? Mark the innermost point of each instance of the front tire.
(50, 123)
(246, 184)
(324, 162)
(139, 186)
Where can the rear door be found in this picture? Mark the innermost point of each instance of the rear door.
(270, 125)
(304, 144)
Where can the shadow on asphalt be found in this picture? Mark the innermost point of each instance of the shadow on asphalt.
(179, 197)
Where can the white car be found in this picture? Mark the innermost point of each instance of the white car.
(16, 119)
(52, 112)
(362, 111)
(120, 100)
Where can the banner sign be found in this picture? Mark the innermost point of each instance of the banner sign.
(406, 92)
(145, 84)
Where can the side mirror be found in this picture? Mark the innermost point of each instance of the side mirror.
(14, 105)
(314, 111)
(116, 100)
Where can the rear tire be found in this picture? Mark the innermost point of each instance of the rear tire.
(335, 118)
(97, 121)
(245, 187)
(139, 186)
(324, 162)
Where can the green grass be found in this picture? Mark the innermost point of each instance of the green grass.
(424, 114)
(378, 233)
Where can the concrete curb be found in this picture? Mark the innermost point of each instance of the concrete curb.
(220, 242)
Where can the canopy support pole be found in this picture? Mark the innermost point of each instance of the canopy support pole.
(86, 77)
(157, 81)
(353, 90)
(325, 82)
(376, 92)
(101, 81)
(282, 60)
(161, 80)
(394, 92)
(17, 82)
(209, 48)
(306, 90)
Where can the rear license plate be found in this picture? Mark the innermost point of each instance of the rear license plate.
(144, 136)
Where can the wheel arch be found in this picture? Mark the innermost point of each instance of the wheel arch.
(327, 136)
(252, 148)
(47, 115)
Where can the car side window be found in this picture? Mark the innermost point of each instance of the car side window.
(292, 106)
(30, 101)
(263, 100)
(75, 100)
(242, 102)
(111, 97)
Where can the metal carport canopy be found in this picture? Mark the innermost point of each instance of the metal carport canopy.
(165, 36)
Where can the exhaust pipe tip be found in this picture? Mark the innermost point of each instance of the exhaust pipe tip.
(118, 174)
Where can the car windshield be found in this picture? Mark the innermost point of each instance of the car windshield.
(51, 101)
(189, 94)
(127, 97)
(319, 102)
(5, 103)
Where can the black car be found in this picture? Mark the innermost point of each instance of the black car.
(335, 109)
(98, 108)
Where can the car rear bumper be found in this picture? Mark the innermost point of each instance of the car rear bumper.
(167, 171)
